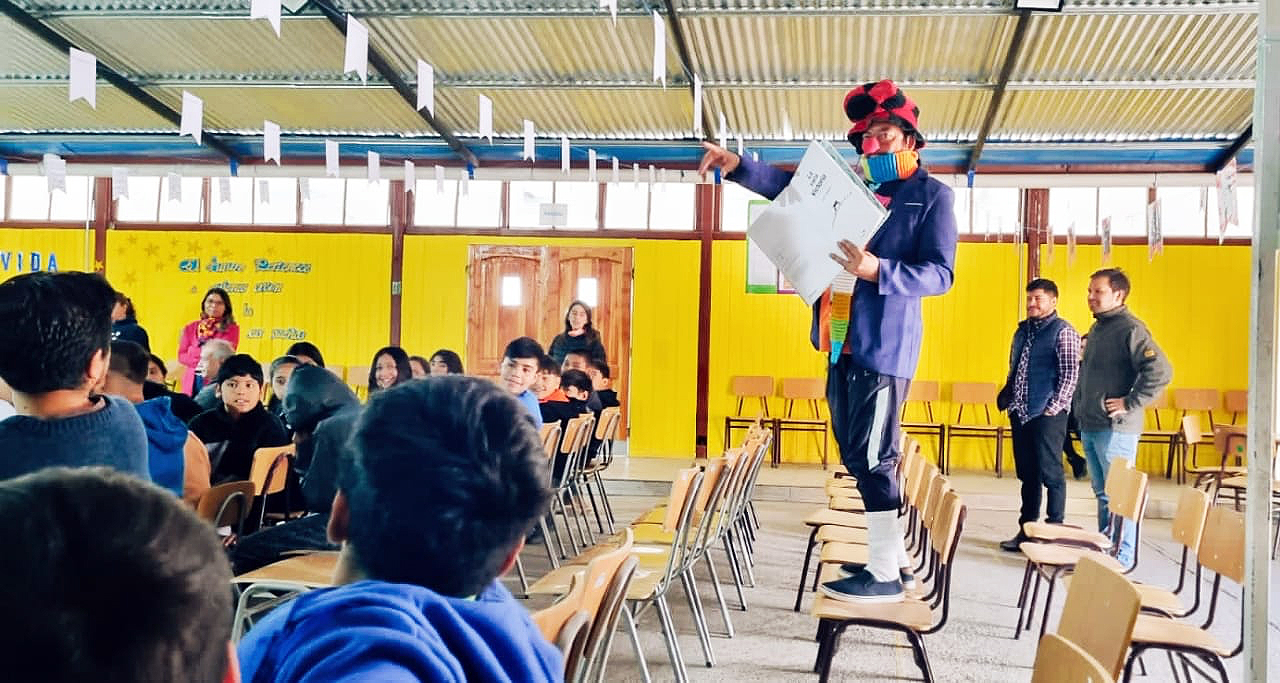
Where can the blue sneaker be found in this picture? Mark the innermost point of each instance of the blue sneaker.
(905, 575)
(863, 587)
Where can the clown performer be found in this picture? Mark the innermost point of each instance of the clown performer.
(877, 346)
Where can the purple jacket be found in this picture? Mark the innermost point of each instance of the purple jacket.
(917, 251)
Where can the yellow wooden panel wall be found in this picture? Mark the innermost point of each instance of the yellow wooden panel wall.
(342, 305)
(21, 249)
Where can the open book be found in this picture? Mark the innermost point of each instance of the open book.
(823, 204)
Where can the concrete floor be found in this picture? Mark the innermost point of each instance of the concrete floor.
(773, 643)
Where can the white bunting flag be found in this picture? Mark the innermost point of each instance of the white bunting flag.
(264, 191)
(755, 156)
(464, 183)
(787, 133)
(271, 142)
(375, 167)
(614, 179)
(486, 118)
(528, 151)
(653, 174)
(304, 188)
(659, 49)
(55, 172)
(1155, 231)
(356, 57)
(564, 154)
(331, 158)
(697, 106)
(591, 165)
(175, 186)
(266, 9)
(439, 179)
(613, 9)
(410, 178)
(426, 87)
(192, 116)
(83, 68)
(119, 182)
(724, 132)
(662, 179)
(1106, 239)
(635, 175)
(740, 147)
(224, 190)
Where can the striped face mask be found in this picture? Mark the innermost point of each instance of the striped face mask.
(883, 168)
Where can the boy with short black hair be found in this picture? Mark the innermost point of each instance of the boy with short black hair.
(519, 369)
(108, 578)
(579, 360)
(55, 332)
(577, 388)
(239, 425)
(547, 386)
(601, 383)
(445, 480)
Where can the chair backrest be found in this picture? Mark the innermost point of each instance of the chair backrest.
(1222, 546)
(803, 388)
(711, 477)
(550, 620)
(1130, 499)
(603, 626)
(1099, 613)
(338, 371)
(358, 377)
(924, 390)
(1195, 399)
(937, 490)
(550, 434)
(270, 469)
(607, 428)
(1115, 477)
(215, 503)
(976, 393)
(948, 523)
(1160, 402)
(675, 501)
(1191, 432)
(1189, 518)
(600, 573)
(751, 386)
(1059, 660)
(569, 439)
(1236, 401)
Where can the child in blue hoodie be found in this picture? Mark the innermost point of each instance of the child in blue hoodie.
(445, 479)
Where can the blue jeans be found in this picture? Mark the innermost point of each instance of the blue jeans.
(1100, 448)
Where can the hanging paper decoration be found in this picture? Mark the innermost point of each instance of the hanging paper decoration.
(464, 183)
(787, 133)
(375, 167)
(264, 191)
(439, 179)
(1106, 239)
(1228, 211)
(271, 142)
(426, 87)
(613, 9)
(635, 175)
(55, 172)
(83, 69)
(697, 106)
(266, 9)
(564, 155)
(356, 57)
(119, 182)
(1049, 243)
(1155, 232)
(224, 190)
(175, 186)
(841, 303)
(192, 116)
(724, 132)
(659, 49)
(662, 179)
(486, 118)
(304, 188)
(1071, 243)
(740, 147)
(653, 175)
(528, 152)
(591, 165)
(331, 158)
(410, 177)
(614, 179)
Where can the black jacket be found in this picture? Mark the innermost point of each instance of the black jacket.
(322, 410)
(183, 406)
(129, 330)
(231, 443)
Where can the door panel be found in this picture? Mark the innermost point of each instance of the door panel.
(505, 287)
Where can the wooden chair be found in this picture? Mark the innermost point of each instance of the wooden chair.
(268, 587)
(338, 371)
(1162, 435)
(270, 474)
(977, 395)
(605, 624)
(925, 393)
(173, 378)
(1189, 441)
(1236, 402)
(1221, 551)
(1188, 531)
(358, 380)
(810, 391)
(1099, 613)
(745, 387)
(564, 622)
(234, 496)
(914, 617)
(606, 432)
(1059, 660)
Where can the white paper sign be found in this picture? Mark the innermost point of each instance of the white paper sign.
(613, 9)
(1106, 238)
(697, 106)
(83, 68)
(823, 204)
(653, 174)
(224, 190)
(1228, 211)
(614, 179)
(724, 132)
(271, 142)
(635, 175)
(464, 180)
(740, 146)
(375, 167)
(266, 9)
(439, 179)
(175, 186)
(486, 118)
(264, 191)
(528, 151)
(331, 158)
(564, 154)
(304, 188)
(192, 116)
(591, 165)
(356, 57)
(659, 49)
(55, 172)
(410, 177)
(119, 182)
(553, 215)
(426, 87)
(1155, 232)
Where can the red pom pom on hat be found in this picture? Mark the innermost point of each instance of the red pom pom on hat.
(880, 101)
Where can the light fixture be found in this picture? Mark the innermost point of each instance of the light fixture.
(294, 6)
(1039, 5)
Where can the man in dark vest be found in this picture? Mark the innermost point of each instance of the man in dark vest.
(1044, 364)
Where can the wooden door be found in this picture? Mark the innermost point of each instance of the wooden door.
(602, 278)
(504, 302)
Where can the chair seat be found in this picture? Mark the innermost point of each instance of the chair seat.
(841, 534)
(644, 584)
(1043, 531)
(922, 425)
(827, 516)
(839, 487)
(842, 553)
(831, 572)
(963, 430)
(313, 569)
(1242, 482)
(1153, 597)
(1052, 555)
(847, 504)
(914, 614)
(787, 422)
(1159, 631)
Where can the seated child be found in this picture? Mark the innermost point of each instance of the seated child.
(445, 480)
(55, 332)
(519, 369)
(579, 360)
(239, 425)
(601, 384)
(547, 386)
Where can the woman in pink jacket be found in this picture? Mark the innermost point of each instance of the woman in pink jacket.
(216, 322)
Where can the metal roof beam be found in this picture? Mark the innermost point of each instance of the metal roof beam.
(389, 74)
(686, 64)
(1231, 150)
(997, 96)
(58, 42)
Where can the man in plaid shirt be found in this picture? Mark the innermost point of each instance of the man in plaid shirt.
(1044, 364)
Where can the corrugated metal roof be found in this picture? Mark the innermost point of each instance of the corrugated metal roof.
(328, 111)
(45, 108)
(23, 54)
(1048, 115)
(642, 114)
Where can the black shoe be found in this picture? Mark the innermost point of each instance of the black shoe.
(907, 577)
(1079, 468)
(863, 587)
(1012, 544)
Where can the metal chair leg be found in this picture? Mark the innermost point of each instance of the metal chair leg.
(735, 573)
(804, 571)
(635, 643)
(673, 645)
(715, 584)
(699, 617)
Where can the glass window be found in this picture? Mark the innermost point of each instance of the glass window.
(626, 206)
(1078, 205)
(276, 201)
(1244, 204)
(961, 206)
(1127, 208)
(510, 290)
(72, 205)
(481, 206)
(143, 200)
(433, 208)
(588, 290)
(583, 200)
(368, 203)
(734, 200)
(240, 207)
(527, 197)
(995, 210)
(672, 207)
(184, 210)
(324, 201)
(1181, 211)
(29, 200)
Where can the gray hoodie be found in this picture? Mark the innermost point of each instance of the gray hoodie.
(1120, 360)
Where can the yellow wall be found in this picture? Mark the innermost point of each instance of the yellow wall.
(342, 305)
(67, 248)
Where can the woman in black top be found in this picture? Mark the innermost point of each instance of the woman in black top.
(578, 335)
(390, 367)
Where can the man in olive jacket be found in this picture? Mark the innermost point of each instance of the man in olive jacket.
(1122, 372)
